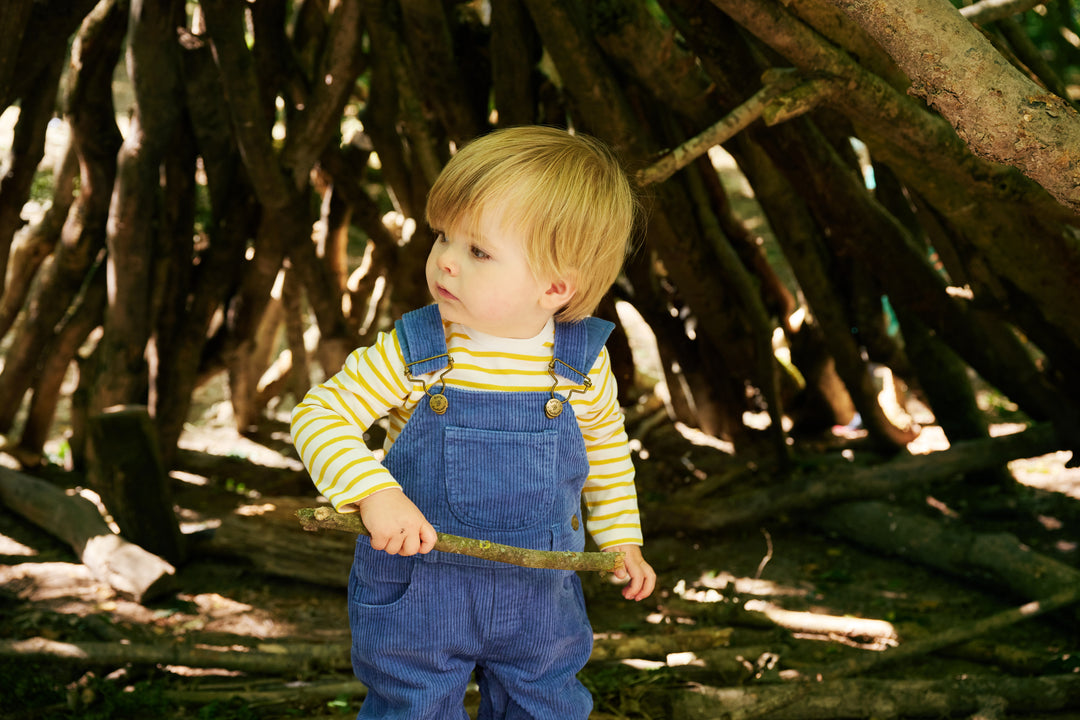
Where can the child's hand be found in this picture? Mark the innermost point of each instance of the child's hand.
(642, 576)
(396, 525)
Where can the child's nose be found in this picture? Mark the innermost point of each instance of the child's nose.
(446, 261)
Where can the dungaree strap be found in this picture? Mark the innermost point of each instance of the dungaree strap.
(422, 340)
(577, 345)
(423, 343)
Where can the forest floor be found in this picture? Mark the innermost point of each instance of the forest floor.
(867, 602)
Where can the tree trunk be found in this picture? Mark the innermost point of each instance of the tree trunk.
(33, 246)
(86, 315)
(97, 140)
(12, 26)
(44, 39)
(133, 483)
(515, 50)
(27, 149)
(431, 47)
(153, 57)
(184, 357)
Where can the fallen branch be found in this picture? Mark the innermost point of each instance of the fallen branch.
(276, 658)
(771, 701)
(286, 693)
(856, 482)
(265, 658)
(951, 547)
(876, 632)
(324, 518)
(867, 698)
(950, 636)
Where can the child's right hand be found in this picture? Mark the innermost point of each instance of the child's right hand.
(396, 525)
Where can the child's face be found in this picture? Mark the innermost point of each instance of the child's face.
(485, 282)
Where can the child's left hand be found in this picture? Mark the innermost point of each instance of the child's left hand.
(641, 575)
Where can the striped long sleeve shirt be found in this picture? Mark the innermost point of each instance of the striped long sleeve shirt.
(328, 425)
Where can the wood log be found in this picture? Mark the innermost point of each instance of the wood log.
(998, 557)
(266, 658)
(290, 694)
(767, 703)
(854, 483)
(269, 538)
(126, 567)
(288, 657)
(865, 698)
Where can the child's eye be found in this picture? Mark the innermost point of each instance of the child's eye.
(478, 253)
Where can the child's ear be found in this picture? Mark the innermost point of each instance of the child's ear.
(558, 294)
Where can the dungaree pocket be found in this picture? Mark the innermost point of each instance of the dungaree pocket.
(379, 579)
(500, 480)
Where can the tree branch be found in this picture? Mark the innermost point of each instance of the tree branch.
(324, 518)
(988, 11)
(785, 97)
(1000, 113)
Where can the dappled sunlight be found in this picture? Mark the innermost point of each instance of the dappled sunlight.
(1048, 472)
(70, 591)
(13, 548)
(868, 634)
(702, 439)
(740, 586)
(817, 623)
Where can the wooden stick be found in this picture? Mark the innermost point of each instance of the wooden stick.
(324, 518)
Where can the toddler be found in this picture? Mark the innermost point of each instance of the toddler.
(503, 415)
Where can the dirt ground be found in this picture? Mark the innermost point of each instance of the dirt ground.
(779, 565)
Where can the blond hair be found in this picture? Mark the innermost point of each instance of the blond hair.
(566, 194)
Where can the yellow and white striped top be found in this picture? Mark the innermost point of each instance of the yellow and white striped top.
(329, 423)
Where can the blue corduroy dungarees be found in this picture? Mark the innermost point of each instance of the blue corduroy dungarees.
(493, 466)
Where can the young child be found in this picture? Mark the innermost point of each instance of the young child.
(502, 415)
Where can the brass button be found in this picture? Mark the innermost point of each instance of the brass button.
(553, 408)
(438, 403)
(574, 522)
